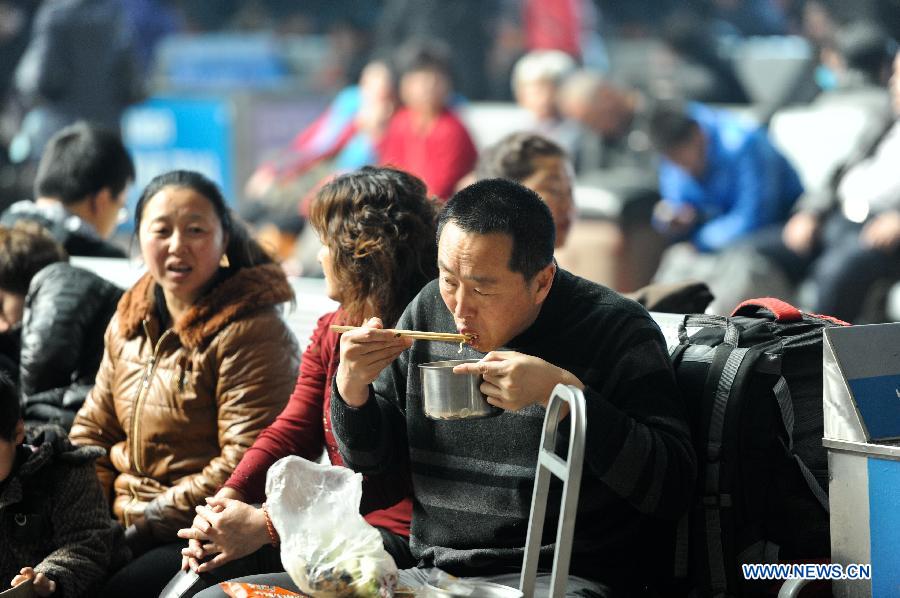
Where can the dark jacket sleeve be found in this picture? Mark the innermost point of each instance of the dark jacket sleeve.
(638, 440)
(66, 312)
(82, 530)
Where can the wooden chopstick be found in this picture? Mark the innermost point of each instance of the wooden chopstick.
(427, 336)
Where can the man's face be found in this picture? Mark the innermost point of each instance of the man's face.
(691, 154)
(608, 114)
(109, 211)
(552, 180)
(538, 97)
(486, 298)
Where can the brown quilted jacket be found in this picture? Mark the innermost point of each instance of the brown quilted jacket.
(177, 408)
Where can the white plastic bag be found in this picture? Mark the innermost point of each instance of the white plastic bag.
(327, 548)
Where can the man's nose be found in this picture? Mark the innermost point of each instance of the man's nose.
(463, 303)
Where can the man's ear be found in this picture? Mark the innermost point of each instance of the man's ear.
(543, 281)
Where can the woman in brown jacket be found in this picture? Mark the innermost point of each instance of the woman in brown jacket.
(197, 362)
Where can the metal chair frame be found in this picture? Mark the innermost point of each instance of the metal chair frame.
(569, 471)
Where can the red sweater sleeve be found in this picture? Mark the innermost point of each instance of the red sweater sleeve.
(298, 430)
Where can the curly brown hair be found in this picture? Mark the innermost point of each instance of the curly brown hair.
(379, 226)
(25, 249)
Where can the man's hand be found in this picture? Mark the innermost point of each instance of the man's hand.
(882, 232)
(514, 380)
(675, 220)
(799, 233)
(228, 528)
(43, 585)
(364, 353)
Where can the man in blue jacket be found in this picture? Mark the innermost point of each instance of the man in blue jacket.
(720, 178)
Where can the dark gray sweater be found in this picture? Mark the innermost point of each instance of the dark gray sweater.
(473, 479)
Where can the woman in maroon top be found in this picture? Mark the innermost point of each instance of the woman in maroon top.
(378, 232)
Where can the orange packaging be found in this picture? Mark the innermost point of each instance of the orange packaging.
(254, 590)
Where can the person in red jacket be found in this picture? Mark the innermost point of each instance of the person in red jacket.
(425, 137)
(378, 230)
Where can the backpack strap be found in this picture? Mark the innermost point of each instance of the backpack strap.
(732, 333)
(725, 373)
(782, 310)
(786, 406)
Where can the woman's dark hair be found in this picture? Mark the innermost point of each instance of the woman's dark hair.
(379, 227)
(242, 250)
(10, 411)
(513, 156)
(25, 249)
(506, 207)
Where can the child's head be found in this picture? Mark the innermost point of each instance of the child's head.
(425, 77)
(25, 250)
(12, 428)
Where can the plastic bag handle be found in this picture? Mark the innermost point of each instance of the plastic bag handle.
(782, 310)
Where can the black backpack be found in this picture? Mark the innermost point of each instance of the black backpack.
(753, 387)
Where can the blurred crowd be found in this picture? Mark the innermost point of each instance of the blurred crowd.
(732, 176)
(682, 110)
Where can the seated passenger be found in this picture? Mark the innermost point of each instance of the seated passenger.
(198, 362)
(54, 521)
(425, 137)
(343, 138)
(544, 167)
(721, 179)
(58, 314)
(378, 228)
(79, 190)
(536, 79)
(846, 238)
(539, 164)
(535, 326)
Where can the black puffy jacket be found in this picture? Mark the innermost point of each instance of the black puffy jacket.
(66, 313)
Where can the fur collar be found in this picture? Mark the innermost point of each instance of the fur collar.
(246, 291)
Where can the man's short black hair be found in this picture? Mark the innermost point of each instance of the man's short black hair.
(506, 207)
(82, 160)
(10, 411)
(670, 126)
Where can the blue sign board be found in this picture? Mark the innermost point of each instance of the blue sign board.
(175, 133)
(878, 400)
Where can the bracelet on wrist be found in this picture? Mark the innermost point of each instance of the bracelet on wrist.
(270, 528)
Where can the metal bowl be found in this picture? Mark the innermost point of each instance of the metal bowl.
(453, 396)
